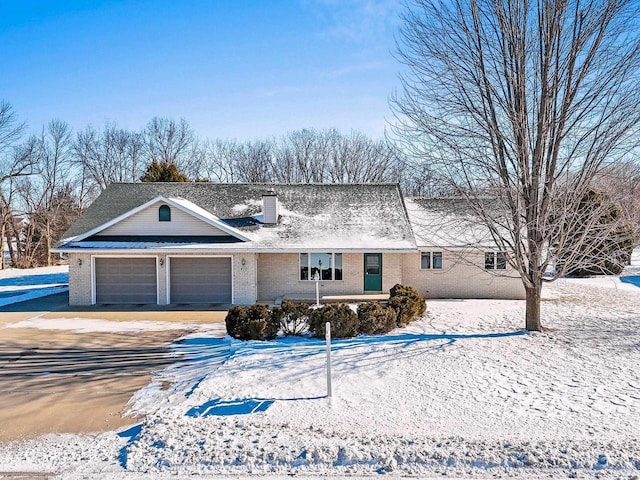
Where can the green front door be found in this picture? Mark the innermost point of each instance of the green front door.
(372, 272)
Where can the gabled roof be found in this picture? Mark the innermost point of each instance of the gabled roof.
(179, 203)
(312, 216)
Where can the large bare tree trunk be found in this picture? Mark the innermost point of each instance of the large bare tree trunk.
(532, 314)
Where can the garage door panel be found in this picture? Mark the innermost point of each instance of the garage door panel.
(126, 280)
(200, 280)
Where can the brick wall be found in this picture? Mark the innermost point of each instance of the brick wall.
(245, 276)
(162, 279)
(462, 276)
(79, 279)
(391, 270)
(278, 276)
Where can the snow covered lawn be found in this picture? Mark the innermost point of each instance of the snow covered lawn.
(18, 285)
(464, 391)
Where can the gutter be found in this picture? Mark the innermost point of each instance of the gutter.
(234, 250)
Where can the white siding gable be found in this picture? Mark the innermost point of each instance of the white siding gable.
(146, 222)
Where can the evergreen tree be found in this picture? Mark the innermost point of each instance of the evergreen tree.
(163, 172)
(611, 244)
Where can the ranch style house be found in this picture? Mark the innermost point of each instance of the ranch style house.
(208, 243)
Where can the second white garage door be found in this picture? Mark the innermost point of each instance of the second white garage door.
(200, 280)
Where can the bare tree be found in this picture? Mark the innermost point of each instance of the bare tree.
(253, 162)
(218, 164)
(170, 141)
(107, 156)
(303, 156)
(47, 195)
(357, 158)
(308, 152)
(10, 129)
(526, 101)
(421, 180)
(16, 161)
(317, 156)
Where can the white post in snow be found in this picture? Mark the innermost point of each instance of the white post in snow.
(317, 290)
(328, 338)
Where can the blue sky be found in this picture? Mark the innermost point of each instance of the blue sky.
(232, 69)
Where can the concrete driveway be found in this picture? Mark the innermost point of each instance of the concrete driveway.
(58, 380)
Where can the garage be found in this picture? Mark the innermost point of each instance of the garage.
(200, 280)
(126, 280)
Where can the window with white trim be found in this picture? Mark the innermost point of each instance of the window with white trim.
(495, 261)
(431, 261)
(326, 266)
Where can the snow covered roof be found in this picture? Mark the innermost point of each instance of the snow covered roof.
(446, 222)
(312, 216)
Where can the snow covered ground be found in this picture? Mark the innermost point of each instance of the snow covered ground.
(462, 392)
(18, 285)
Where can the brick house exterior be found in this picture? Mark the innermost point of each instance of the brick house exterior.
(168, 243)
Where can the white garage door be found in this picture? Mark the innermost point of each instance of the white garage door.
(126, 280)
(200, 280)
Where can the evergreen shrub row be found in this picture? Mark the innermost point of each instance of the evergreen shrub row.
(294, 319)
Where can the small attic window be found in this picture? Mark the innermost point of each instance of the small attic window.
(164, 213)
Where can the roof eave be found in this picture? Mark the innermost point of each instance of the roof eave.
(234, 249)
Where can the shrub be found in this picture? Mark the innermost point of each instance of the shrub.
(292, 318)
(343, 320)
(374, 319)
(251, 323)
(407, 303)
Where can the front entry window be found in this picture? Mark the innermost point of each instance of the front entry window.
(323, 266)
